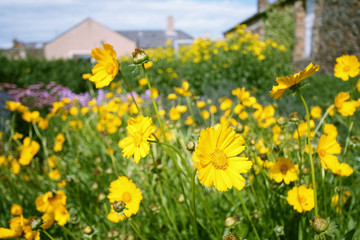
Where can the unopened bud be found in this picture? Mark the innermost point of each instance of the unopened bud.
(229, 221)
(263, 156)
(281, 121)
(181, 198)
(119, 206)
(35, 222)
(294, 117)
(239, 128)
(88, 230)
(139, 56)
(190, 146)
(319, 224)
(230, 236)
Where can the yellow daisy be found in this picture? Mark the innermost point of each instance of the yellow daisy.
(136, 144)
(107, 67)
(216, 158)
(327, 147)
(346, 66)
(28, 150)
(343, 106)
(284, 170)
(292, 80)
(123, 191)
(301, 198)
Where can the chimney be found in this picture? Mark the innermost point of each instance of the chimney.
(262, 4)
(170, 28)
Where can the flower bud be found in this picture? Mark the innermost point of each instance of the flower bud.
(190, 146)
(239, 128)
(229, 222)
(230, 236)
(119, 206)
(263, 156)
(319, 224)
(35, 222)
(281, 121)
(139, 56)
(88, 230)
(294, 117)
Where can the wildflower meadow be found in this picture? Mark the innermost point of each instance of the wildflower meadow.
(214, 140)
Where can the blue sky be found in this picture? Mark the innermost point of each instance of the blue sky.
(43, 20)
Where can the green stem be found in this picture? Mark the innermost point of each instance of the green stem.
(154, 103)
(247, 214)
(129, 89)
(347, 141)
(43, 140)
(310, 152)
(135, 228)
(68, 232)
(323, 119)
(47, 234)
(193, 202)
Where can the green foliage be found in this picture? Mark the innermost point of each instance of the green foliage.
(31, 71)
(280, 26)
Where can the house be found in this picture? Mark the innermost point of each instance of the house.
(79, 40)
(22, 50)
(322, 30)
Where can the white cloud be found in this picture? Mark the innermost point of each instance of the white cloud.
(43, 20)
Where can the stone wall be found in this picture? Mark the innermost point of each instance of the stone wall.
(337, 32)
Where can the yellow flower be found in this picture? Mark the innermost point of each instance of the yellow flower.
(13, 106)
(15, 167)
(107, 67)
(172, 96)
(136, 144)
(292, 80)
(226, 104)
(189, 121)
(16, 228)
(205, 114)
(60, 139)
(335, 201)
(54, 175)
(316, 112)
(216, 158)
(213, 109)
(174, 114)
(184, 90)
(358, 86)
(283, 170)
(346, 66)
(28, 151)
(327, 147)
(74, 111)
(54, 207)
(303, 129)
(344, 107)
(142, 82)
(124, 190)
(43, 123)
(31, 116)
(201, 104)
(301, 198)
(52, 161)
(342, 170)
(148, 65)
(17, 136)
(16, 209)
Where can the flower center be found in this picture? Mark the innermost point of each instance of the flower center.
(322, 152)
(137, 139)
(126, 197)
(283, 169)
(219, 160)
(109, 68)
(346, 68)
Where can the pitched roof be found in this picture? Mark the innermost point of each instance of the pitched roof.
(259, 14)
(153, 38)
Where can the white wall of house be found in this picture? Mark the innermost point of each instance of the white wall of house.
(88, 35)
